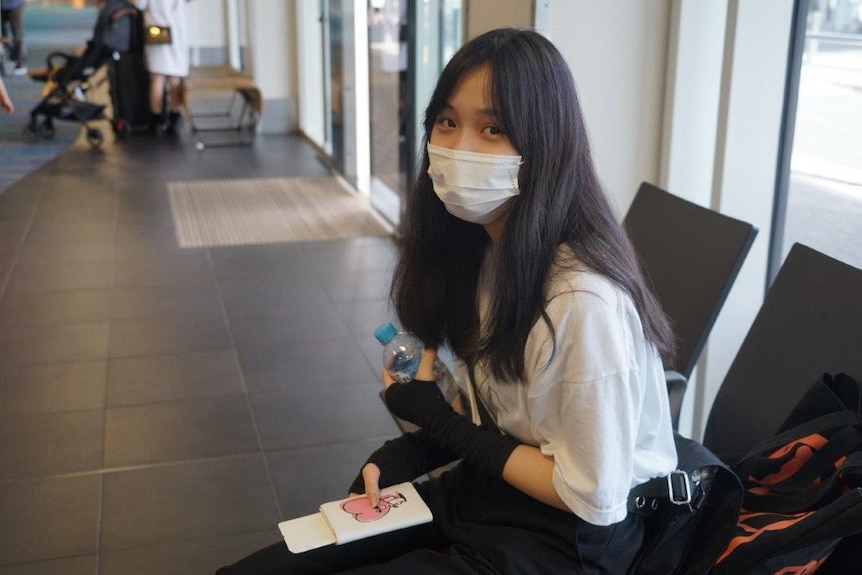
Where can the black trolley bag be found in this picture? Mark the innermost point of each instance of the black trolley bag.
(803, 498)
(130, 82)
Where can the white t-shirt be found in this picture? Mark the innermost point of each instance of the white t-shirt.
(599, 407)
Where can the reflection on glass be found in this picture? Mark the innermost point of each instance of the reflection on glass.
(824, 202)
(451, 29)
(397, 86)
(387, 38)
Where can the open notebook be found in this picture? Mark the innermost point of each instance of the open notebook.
(353, 518)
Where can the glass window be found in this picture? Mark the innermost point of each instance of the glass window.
(824, 190)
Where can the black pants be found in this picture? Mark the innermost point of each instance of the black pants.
(481, 526)
(14, 18)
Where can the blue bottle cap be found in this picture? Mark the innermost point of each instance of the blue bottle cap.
(385, 332)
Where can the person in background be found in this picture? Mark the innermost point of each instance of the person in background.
(168, 63)
(5, 100)
(12, 18)
(512, 256)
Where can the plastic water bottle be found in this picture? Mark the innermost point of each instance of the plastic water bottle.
(402, 352)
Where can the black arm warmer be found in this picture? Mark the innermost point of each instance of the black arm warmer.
(422, 403)
(404, 459)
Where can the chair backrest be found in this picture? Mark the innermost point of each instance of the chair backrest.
(810, 323)
(691, 255)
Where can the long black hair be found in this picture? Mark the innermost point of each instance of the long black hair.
(561, 201)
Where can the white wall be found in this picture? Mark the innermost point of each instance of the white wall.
(484, 15)
(749, 124)
(206, 23)
(617, 50)
(692, 95)
(272, 45)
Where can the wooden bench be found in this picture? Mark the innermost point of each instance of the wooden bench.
(209, 80)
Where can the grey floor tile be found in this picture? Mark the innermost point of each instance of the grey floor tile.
(52, 388)
(66, 307)
(363, 317)
(52, 518)
(351, 255)
(23, 345)
(161, 378)
(8, 254)
(324, 363)
(350, 414)
(166, 432)
(79, 232)
(195, 300)
(262, 295)
(59, 213)
(167, 335)
(80, 565)
(167, 269)
(259, 261)
(13, 233)
(151, 246)
(305, 478)
(187, 502)
(40, 445)
(199, 556)
(311, 322)
(56, 253)
(353, 286)
(80, 276)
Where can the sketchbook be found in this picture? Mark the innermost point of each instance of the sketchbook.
(353, 518)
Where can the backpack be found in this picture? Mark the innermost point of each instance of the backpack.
(685, 539)
(803, 488)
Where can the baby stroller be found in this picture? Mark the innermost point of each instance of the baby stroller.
(68, 78)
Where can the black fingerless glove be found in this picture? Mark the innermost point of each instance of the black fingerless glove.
(422, 403)
(404, 459)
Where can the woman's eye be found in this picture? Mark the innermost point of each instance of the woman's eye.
(445, 122)
(493, 130)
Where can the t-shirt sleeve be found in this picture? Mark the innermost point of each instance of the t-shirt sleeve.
(585, 402)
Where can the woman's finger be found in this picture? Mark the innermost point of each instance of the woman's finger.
(387, 379)
(371, 477)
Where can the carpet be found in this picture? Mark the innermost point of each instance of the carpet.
(18, 157)
(269, 210)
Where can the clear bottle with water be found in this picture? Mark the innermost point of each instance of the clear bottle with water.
(402, 352)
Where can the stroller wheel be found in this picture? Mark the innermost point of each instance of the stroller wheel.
(46, 131)
(95, 137)
(121, 128)
(29, 135)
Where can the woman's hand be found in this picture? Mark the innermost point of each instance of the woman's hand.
(371, 477)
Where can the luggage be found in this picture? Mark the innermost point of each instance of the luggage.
(130, 88)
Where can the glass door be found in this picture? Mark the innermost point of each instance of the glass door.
(409, 42)
(333, 58)
(387, 66)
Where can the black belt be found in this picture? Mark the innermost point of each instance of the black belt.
(674, 489)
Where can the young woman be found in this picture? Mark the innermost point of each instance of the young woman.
(512, 256)
(168, 63)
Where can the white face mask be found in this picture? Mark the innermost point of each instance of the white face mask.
(474, 187)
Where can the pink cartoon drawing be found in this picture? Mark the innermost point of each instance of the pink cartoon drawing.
(362, 511)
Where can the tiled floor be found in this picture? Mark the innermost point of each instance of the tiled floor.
(161, 409)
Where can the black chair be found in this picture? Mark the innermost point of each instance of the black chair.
(810, 323)
(691, 256)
